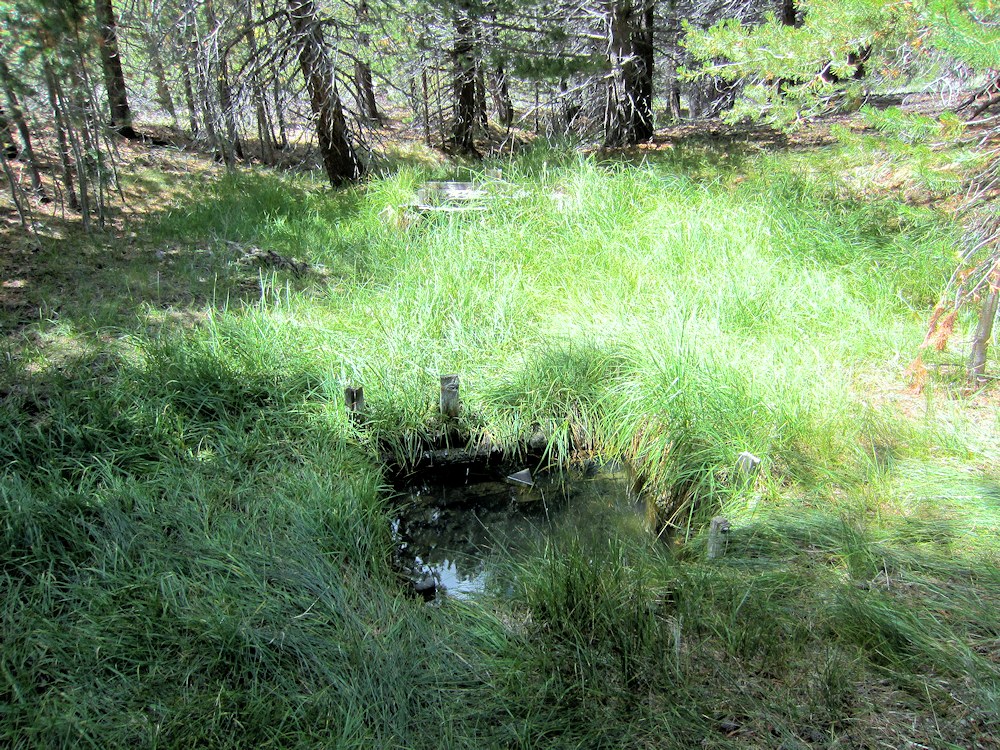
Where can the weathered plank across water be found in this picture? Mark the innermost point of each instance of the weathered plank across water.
(449, 196)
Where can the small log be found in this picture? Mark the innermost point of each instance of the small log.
(450, 403)
(354, 398)
(717, 532)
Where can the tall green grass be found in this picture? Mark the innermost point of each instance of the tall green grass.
(196, 537)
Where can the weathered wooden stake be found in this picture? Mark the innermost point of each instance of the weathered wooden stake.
(450, 403)
(354, 398)
(747, 466)
(717, 532)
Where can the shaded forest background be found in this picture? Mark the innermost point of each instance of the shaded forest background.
(307, 83)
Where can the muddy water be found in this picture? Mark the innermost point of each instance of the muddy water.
(453, 537)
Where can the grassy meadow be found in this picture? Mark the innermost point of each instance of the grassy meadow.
(196, 548)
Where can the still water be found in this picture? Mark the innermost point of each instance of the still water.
(452, 537)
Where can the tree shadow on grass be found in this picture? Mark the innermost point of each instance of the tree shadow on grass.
(219, 246)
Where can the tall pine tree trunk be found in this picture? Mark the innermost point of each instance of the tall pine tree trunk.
(501, 96)
(463, 55)
(788, 13)
(367, 105)
(160, 76)
(233, 147)
(17, 115)
(628, 116)
(641, 89)
(618, 120)
(7, 144)
(62, 143)
(114, 78)
(257, 96)
(339, 159)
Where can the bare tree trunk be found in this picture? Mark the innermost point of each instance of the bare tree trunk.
(58, 123)
(160, 76)
(279, 141)
(264, 135)
(427, 107)
(17, 115)
(201, 55)
(339, 159)
(482, 115)
(501, 96)
(463, 54)
(618, 119)
(114, 78)
(189, 98)
(75, 111)
(367, 104)
(788, 13)
(279, 109)
(674, 98)
(7, 144)
(234, 146)
(641, 89)
(628, 115)
(189, 59)
(981, 339)
(20, 205)
(569, 107)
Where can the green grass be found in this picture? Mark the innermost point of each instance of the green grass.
(196, 537)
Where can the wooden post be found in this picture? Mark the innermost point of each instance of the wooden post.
(450, 403)
(717, 532)
(747, 466)
(354, 398)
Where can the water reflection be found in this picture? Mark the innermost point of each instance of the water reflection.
(450, 537)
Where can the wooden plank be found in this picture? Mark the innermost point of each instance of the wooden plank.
(448, 196)
(447, 209)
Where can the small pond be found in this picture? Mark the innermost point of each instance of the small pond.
(454, 533)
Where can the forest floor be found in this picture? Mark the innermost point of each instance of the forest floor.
(196, 539)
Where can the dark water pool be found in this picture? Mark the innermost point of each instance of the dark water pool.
(452, 537)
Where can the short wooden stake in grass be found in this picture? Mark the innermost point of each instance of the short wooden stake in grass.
(717, 532)
(746, 465)
(450, 403)
(354, 398)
